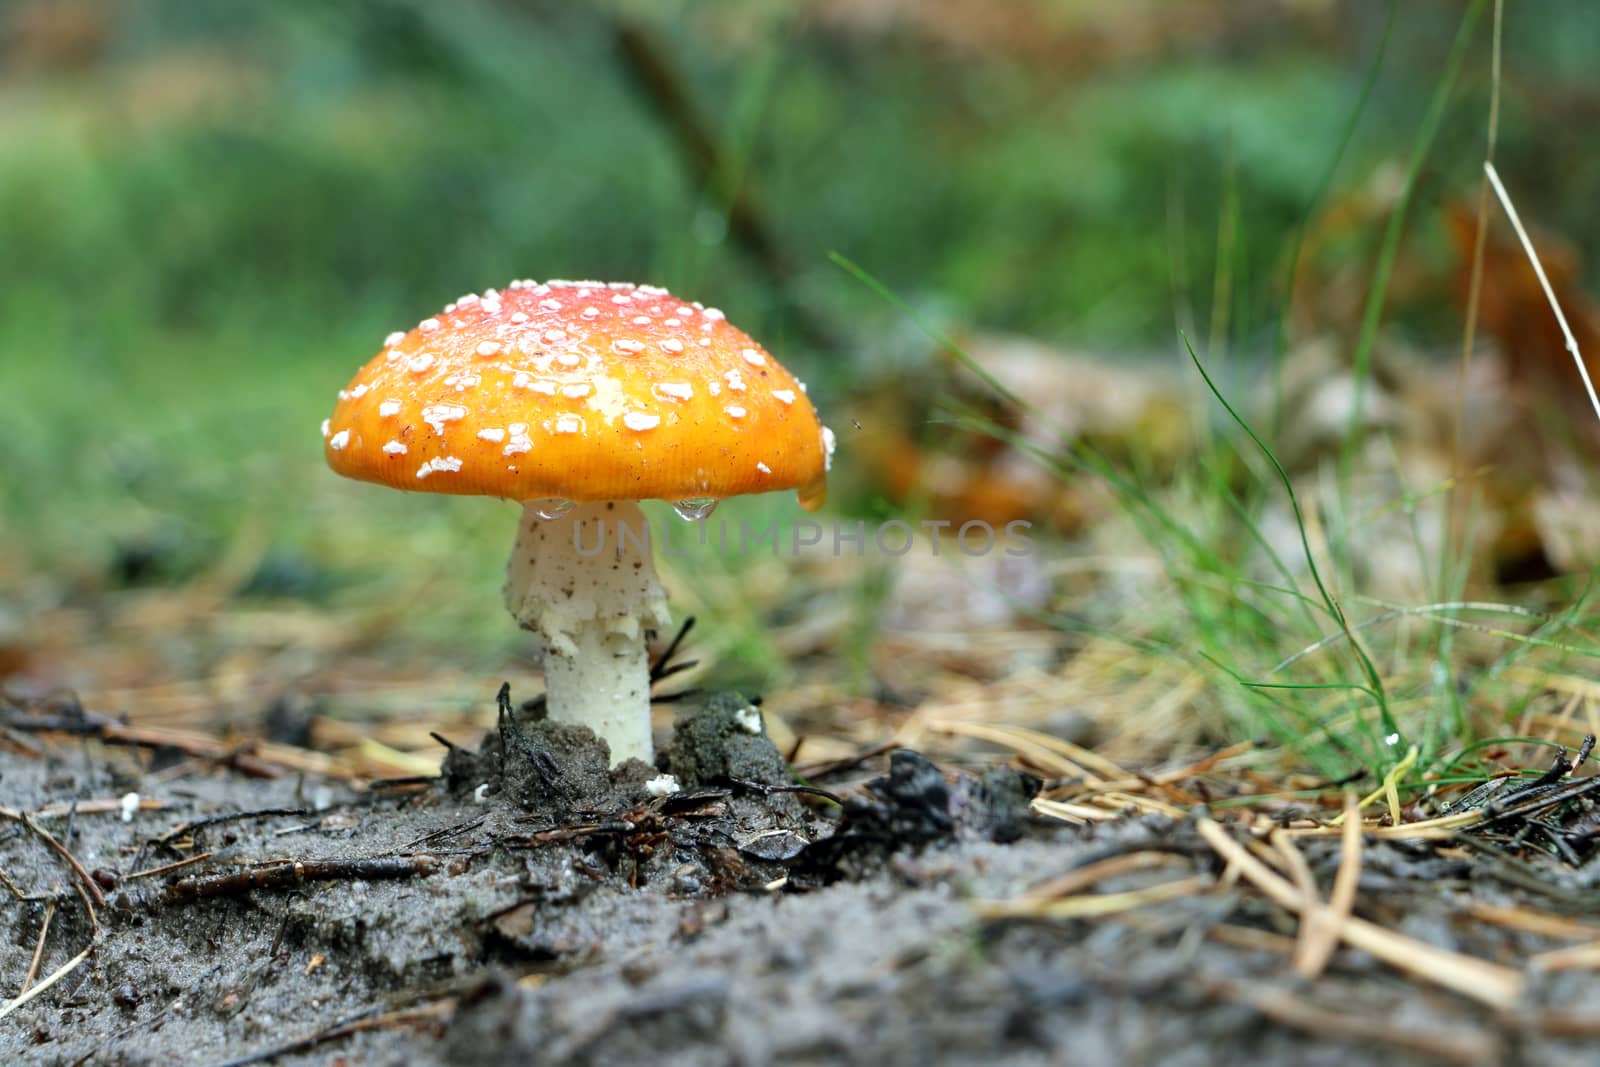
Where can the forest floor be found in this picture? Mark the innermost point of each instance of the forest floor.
(530, 906)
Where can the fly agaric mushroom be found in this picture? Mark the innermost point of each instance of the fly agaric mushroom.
(579, 399)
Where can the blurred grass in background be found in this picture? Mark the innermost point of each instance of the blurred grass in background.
(212, 213)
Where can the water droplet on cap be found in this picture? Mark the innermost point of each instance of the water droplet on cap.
(695, 509)
(553, 508)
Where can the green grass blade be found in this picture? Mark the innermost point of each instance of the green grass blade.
(1372, 316)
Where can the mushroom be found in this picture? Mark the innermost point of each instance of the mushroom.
(580, 399)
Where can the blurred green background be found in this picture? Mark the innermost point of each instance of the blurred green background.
(211, 213)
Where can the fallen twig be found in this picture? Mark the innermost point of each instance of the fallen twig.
(168, 868)
(111, 731)
(286, 873)
(1320, 931)
(371, 1019)
(1572, 958)
(829, 767)
(1091, 874)
(1309, 954)
(56, 976)
(192, 825)
(1535, 922)
(164, 842)
(1094, 905)
(38, 948)
(1059, 754)
(767, 790)
(540, 838)
(104, 806)
(1201, 766)
(1478, 979)
(652, 63)
(440, 834)
(1464, 1045)
(1515, 806)
(89, 885)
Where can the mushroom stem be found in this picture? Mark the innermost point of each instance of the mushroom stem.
(585, 583)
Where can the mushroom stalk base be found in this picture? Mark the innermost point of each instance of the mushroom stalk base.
(585, 583)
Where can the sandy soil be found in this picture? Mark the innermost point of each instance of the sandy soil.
(531, 907)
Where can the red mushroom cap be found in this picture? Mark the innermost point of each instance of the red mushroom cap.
(583, 391)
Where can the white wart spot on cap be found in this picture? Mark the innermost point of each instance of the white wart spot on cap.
(754, 358)
(489, 348)
(577, 390)
(672, 345)
(674, 390)
(428, 325)
(625, 347)
(439, 465)
(550, 305)
(394, 339)
(324, 429)
(494, 434)
(829, 443)
(569, 424)
(735, 411)
(763, 468)
(389, 408)
(785, 395)
(436, 415)
(419, 364)
(735, 382)
(394, 448)
(520, 441)
(640, 421)
(339, 440)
